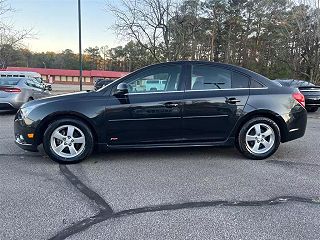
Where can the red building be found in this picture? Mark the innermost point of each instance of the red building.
(64, 76)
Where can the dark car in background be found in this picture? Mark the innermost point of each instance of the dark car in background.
(201, 104)
(15, 91)
(310, 91)
(99, 83)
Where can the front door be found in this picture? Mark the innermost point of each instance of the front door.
(214, 100)
(151, 111)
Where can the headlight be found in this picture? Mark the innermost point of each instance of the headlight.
(25, 111)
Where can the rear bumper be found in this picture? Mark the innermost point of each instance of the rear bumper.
(4, 106)
(296, 124)
(12, 102)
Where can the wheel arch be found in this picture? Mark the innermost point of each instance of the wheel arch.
(43, 125)
(263, 113)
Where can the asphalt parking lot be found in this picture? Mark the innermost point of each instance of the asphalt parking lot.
(189, 193)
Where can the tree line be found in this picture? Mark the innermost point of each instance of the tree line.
(277, 38)
(122, 58)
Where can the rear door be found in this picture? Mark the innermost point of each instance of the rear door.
(148, 116)
(214, 101)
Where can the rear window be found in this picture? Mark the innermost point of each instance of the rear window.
(294, 83)
(239, 80)
(255, 84)
(305, 84)
(9, 82)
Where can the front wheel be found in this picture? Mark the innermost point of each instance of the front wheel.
(68, 141)
(259, 138)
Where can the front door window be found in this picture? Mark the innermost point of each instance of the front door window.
(161, 79)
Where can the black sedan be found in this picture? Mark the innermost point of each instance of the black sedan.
(310, 91)
(201, 104)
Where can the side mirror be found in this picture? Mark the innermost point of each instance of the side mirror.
(122, 89)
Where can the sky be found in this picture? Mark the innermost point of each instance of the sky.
(55, 24)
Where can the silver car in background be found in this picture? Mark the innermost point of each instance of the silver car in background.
(16, 91)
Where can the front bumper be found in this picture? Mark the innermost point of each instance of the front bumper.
(21, 131)
(26, 146)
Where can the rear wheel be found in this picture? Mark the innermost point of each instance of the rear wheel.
(312, 109)
(68, 141)
(259, 138)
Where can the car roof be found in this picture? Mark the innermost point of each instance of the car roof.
(17, 78)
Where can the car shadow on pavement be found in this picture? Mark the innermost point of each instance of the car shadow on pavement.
(176, 154)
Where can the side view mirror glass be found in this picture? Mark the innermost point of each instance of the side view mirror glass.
(122, 89)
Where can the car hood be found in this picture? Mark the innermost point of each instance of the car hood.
(63, 97)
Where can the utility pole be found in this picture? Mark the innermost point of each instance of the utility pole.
(80, 44)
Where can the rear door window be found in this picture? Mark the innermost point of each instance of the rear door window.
(206, 77)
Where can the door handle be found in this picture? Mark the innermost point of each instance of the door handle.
(232, 100)
(171, 105)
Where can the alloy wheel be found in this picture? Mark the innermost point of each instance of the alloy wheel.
(67, 141)
(260, 138)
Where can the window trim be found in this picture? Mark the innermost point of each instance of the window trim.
(144, 93)
(226, 89)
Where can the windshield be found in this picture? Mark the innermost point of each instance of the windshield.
(39, 79)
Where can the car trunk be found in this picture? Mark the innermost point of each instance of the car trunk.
(5, 91)
(8, 87)
(310, 90)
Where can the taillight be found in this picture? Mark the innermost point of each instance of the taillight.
(11, 90)
(299, 97)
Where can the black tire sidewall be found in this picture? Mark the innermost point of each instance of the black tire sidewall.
(242, 138)
(83, 127)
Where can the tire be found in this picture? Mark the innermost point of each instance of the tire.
(259, 146)
(312, 109)
(67, 146)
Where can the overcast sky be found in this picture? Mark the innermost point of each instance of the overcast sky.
(55, 23)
